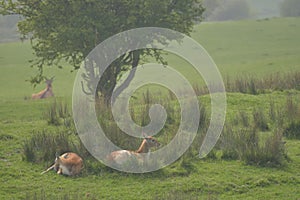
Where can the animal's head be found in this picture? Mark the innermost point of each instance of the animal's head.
(152, 142)
(49, 81)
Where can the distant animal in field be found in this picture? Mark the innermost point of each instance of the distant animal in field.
(47, 92)
(69, 164)
(121, 156)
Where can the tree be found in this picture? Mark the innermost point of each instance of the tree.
(70, 29)
(290, 8)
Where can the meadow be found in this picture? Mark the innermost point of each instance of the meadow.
(252, 48)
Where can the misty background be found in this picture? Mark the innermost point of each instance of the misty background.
(216, 10)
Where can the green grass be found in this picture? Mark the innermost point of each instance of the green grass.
(16, 70)
(237, 47)
(256, 47)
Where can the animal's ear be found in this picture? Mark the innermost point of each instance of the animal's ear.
(56, 155)
(145, 135)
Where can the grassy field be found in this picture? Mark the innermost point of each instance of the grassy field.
(255, 48)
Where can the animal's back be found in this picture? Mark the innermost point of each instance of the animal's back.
(71, 163)
(121, 156)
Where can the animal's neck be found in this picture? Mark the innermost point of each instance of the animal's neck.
(45, 92)
(143, 148)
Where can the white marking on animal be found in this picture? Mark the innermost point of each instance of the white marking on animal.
(68, 164)
(122, 156)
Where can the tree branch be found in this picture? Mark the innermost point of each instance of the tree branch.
(125, 84)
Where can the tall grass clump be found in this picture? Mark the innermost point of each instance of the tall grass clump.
(292, 109)
(277, 114)
(228, 144)
(247, 85)
(42, 195)
(242, 119)
(259, 119)
(51, 114)
(292, 113)
(254, 85)
(43, 145)
(248, 145)
(58, 114)
(268, 152)
(139, 114)
(272, 111)
(292, 131)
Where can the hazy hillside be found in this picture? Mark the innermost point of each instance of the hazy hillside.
(8, 28)
(222, 10)
(265, 8)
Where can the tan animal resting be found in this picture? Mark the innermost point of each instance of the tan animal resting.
(122, 156)
(68, 164)
(47, 92)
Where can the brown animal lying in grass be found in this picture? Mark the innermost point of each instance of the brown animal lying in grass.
(47, 92)
(122, 156)
(68, 164)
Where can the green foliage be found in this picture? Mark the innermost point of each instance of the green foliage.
(290, 8)
(260, 120)
(292, 108)
(43, 145)
(270, 153)
(229, 144)
(254, 85)
(58, 113)
(247, 145)
(69, 30)
(243, 118)
(292, 131)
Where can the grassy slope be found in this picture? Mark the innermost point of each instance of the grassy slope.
(221, 179)
(15, 70)
(237, 47)
(256, 47)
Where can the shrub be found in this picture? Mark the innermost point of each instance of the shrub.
(270, 153)
(272, 111)
(43, 145)
(277, 114)
(58, 114)
(247, 145)
(242, 118)
(291, 108)
(228, 144)
(292, 131)
(259, 119)
(254, 85)
(51, 114)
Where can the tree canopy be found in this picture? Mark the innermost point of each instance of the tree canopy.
(69, 29)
